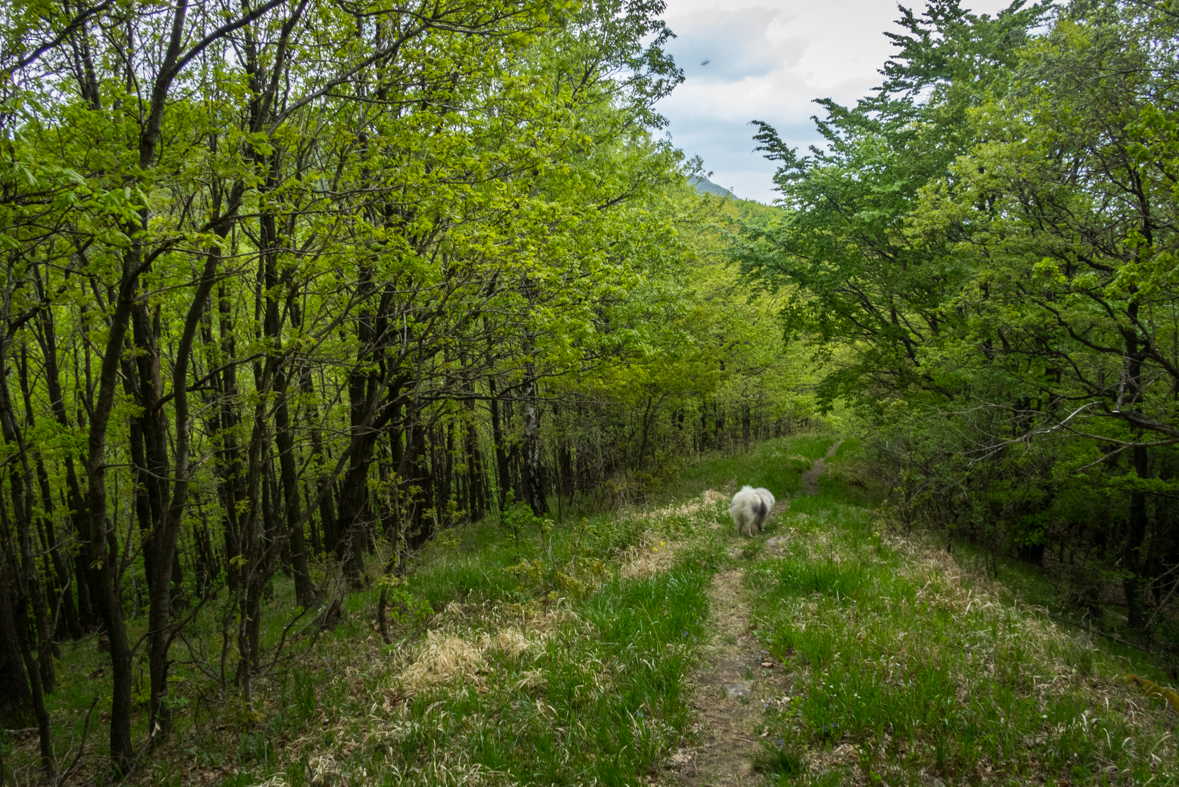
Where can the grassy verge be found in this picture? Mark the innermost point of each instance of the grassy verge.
(578, 692)
(905, 669)
(534, 655)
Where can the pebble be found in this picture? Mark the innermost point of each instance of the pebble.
(740, 689)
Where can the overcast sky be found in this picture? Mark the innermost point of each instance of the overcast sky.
(768, 60)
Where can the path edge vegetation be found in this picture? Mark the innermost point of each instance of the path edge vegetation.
(528, 631)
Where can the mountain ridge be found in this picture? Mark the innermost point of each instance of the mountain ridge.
(705, 186)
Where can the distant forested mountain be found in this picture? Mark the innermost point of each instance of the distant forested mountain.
(706, 186)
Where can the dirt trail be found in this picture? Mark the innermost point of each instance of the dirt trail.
(810, 479)
(729, 694)
(736, 680)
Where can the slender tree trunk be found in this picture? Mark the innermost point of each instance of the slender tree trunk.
(353, 507)
(703, 425)
(28, 580)
(47, 338)
(648, 418)
(164, 553)
(319, 457)
(501, 454)
(362, 401)
(418, 474)
(304, 590)
(446, 492)
(534, 490)
(476, 499)
(1130, 397)
(1132, 557)
(59, 578)
(44, 732)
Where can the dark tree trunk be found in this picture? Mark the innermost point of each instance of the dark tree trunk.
(648, 418)
(261, 543)
(47, 338)
(568, 472)
(503, 479)
(476, 494)
(140, 476)
(229, 465)
(164, 552)
(304, 590)
(23, 560)
(1132, 557)
(418, 474)
(207, 565)
(350, 548)
(1130, 397)
(16, 700)
(446, 493)
(44, 733)
(363, 398)
(59, 578)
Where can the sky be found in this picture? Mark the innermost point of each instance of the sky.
(768, 60)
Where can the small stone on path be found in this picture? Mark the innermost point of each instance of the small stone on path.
(742, 688)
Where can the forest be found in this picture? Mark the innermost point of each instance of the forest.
(293, 288)
(990, 240)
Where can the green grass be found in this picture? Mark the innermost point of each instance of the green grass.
(900, 665)
(603, 700)
(776, 464)
(907, 667)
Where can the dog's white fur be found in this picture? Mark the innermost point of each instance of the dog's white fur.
(749, 509)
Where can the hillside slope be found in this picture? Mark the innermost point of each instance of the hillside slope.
(706, 186)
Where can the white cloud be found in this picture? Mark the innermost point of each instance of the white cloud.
(769, 61)
(724, 46)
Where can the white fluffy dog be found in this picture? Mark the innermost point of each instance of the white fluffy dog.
(749, 509)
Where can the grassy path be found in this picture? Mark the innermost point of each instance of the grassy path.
(838, 653)
(738, 680)
(656, 646)
(810, 479)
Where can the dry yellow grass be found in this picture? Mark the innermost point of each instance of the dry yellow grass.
(652, 554)
(657, 551)
(444, 657)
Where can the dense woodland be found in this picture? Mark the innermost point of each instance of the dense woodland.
(290, 287)
(987, 244)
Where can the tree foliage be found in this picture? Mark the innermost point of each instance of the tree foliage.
(290, 287)
(992, 232)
